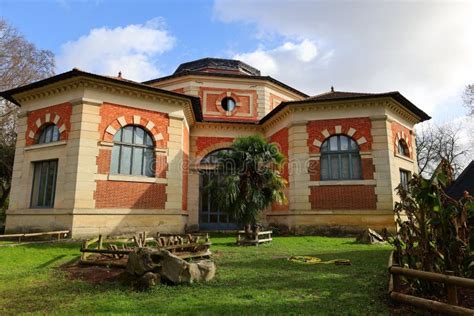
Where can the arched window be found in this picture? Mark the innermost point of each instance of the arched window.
(49, 133)
(133, 152)
(213, 157)
(402, 148)
(340, 159)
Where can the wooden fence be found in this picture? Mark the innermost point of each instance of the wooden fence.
(451, 283)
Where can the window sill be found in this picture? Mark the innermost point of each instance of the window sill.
(342, 182)
(404, 158)
(40, 146)
(125, 178)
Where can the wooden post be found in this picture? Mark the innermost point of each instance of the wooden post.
(397, 285)
(452, 291)
(99, 242)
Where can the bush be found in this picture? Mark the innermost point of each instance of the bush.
(434, 230)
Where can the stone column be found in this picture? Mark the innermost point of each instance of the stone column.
(174, 189)
(382, 153)
(298, 156)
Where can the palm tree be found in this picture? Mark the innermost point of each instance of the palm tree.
(251, 179)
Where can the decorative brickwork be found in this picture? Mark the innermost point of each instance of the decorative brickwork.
(275, 101)
(59, 114)
(357, 128)
(205, 145)
(338, 197)
(401, 132)
(133, 195)
(114, 117)
(246, 103)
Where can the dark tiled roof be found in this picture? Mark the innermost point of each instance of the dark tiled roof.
(345, 96)
(8, 95)
(465, 182)
(216, 64)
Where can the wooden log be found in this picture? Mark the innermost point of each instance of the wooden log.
(397, 283)
(99, 242)
(107, 251)
(430, 305)
(434, 277)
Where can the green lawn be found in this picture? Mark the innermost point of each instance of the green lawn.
(250, 280)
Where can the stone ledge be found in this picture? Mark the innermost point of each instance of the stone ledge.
(331, 212)
(125, 178)
(48, 145)
(341, 182)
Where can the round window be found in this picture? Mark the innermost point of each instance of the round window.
(228, 104)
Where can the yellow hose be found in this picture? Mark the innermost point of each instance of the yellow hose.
(316, 260)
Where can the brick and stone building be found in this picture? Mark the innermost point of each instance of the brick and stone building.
(99, 154)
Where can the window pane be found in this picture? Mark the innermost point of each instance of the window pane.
(213, 218)
(324, 147)
(49, 133)
(354, 145)
(149, 163)
(333, 143)
(114, 162)
(118, 136)
(345, 167)
(149, 141)
(127, 134)
(50, 184)
(139, 136)
(137, 161)
(344, 143)
(334, 162)
(356, 171)
(125, 159)
(44, 184)
(324, 167)
(204, 218)
(55, 133)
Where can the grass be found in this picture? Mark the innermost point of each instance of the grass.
(250, 280)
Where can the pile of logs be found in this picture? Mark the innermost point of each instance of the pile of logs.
(112, 254)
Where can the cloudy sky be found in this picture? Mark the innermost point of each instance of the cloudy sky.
(424, 49)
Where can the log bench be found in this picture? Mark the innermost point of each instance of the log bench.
(252, 238)
(58, 234)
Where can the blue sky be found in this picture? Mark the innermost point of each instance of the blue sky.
(422, 49)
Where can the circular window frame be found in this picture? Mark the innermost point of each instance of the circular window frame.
(225, 100)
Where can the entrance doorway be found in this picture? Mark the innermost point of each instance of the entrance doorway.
(210, 216)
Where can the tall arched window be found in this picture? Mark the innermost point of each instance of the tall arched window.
(340, 159)
(49, 133)
(402, 148)
(133, 152)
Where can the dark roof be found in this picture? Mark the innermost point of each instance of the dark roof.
(465, 182)
(218, 65)
(346, 96)
(9, 94)
(226, 75)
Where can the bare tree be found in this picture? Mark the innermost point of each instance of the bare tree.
(434, 143)
(20, 63)
(468, 98)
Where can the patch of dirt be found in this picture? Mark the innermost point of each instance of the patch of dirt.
(92, 274)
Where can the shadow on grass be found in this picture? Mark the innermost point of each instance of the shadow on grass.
(50, 262)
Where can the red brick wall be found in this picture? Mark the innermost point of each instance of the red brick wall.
(281, 139)
(64, 111)
(362, 126)
(185, 167)
(203, 143)
(118, 194)
(398, 128)
(109, 114)
(353, 197)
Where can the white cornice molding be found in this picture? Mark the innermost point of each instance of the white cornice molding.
(114, 88)
(227, 126)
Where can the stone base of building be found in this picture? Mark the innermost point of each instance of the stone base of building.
(334, 222)
(87, 223)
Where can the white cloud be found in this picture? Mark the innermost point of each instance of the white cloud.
(422, 49)
(132, 49)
